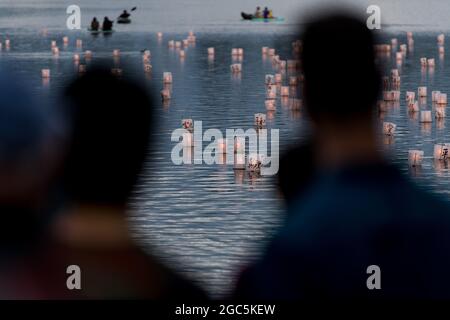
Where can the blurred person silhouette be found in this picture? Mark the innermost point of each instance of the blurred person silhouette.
(112, 119)
(32, 137)
(360, 211)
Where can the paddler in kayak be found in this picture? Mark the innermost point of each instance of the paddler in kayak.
(95, 25)
(257, 14)
(107, 24)
(266, 13)
(124, 15)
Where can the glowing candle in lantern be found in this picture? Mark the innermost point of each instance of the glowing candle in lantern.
(431, 62)
(271, 52)
(441, 39)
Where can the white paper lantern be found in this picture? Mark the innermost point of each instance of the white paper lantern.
(425, 116)
(278, 78)
(116, 53)
(394, 42)
(415, 158)
(88, 54)
(182, 53)
(264, 50)
(177, 44)
(389, 128)
(435, 95)
(45, 73)
(236, 68)
(271, 52)
(167, 77)
(65, 40)
(185, 43)
(442, 99)
(55, 51)
(53, 43)
(76, 57)
(79, 43)
(147, 67)
(423, 62)
(431, 62)
(240, 52)
(271, 92)
(260, 120)
(211, 51)
(441, 50)
(171, 43)
(159, 35)
(422, 91)
(270, 105)
(284, 91)
(270, 79)
(234, 52)
(441, 151)
(413, 106)
(7, 43)
(399, 56)
(440, 112)
(441, 39)
(254, 163)
(187, 124)
(410, 95)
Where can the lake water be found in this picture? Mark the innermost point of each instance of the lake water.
(209, 221)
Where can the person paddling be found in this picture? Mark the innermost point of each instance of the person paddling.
(107, 24)
(95, 25)
(124, 15)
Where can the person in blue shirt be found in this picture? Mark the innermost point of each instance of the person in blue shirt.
(361, 229)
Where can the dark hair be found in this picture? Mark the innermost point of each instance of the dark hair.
(111, 120)
(338, 58)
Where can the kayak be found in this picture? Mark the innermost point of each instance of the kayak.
(124, 20)
(246, 16)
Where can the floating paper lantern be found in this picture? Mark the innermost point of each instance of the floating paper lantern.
(271, 92)
(260, 120)
(425, 116)
(7, 43)
(410, 95)
(403, 49)
(211, 51)
(147, 67)
(399, 56)
(270, 79)
(116, 53)
(159, 35)
(177, 44)
(53, 43)
(188, 139)
(440, 112)
(441, 151)
(45, 73)
(270, 105)
(393, 95)
(65, 40)
(240, 52)
(394, 42)
(187, 124)
(191, 39)
(185, 43)
(264, 50)
(278, 78)
(88, 54)
(167, 77)
(76, 57)
(413, 106)
(422, 91)
(431, 62)
(441, 50)
(395, 73)
(234, 52)
(435, 95)
(79, 43)
(165, 94)
(423, 62)
(254, 163)
(55, 51)
(415, 158)
(239, 145)
(271, 52)
(409, 35)
(182, 53)
(389, 128)
(236, 68)
(284, 91)
(116, 71)
(441, 39)
(442, 99)
(171, 43)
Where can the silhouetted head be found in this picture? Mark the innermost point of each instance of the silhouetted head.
(257, 8)
(112, 119)
(341, 79)
(106, 18)
(124, 11)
